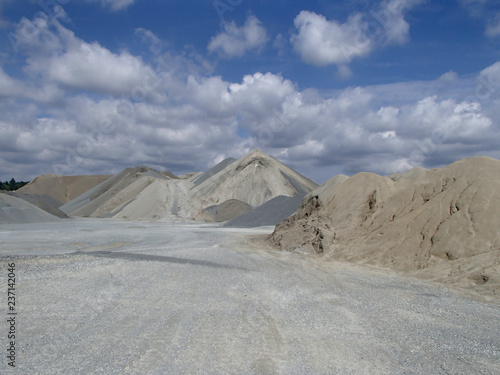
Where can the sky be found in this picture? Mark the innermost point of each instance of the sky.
(326, 87)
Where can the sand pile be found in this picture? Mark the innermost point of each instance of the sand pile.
(43, 201)
(15, 210)
(445, 221)
(270, 213)
(110, 197)
(62, 188)
(254, 179)
(230, 209)
(228, 190)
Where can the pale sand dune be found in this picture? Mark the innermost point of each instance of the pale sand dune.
(441, 224)
(153, 202)
(110, 195)
(62, 188)
(43, 201)
(15, 210)
(255, 179)
(144, 194)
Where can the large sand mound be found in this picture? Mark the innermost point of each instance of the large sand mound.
(255, 179)
(443, 221)
(62, 188)
(15, 210)
(224, 192)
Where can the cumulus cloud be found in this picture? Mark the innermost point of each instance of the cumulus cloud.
(81, 108)
(92, 67)
(348, 130)
(351, 130)
(235, 41)
(323, 42)
(57, 55)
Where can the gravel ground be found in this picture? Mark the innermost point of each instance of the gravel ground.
(108, 297)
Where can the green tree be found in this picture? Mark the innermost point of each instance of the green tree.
(12, 185)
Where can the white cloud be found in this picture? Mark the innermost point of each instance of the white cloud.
(493, 28)
(324, 42)
(390, 16)
(259, 91)
(488, 82)
(453, 121)
(350, 130)
(114, 4)
(8, 86)
(150, 38)
(491, 73)
(92, 67)
(279, 44)
(74, 112)
(450, 76)
(57, 55)
(487, 11)
(235, 41)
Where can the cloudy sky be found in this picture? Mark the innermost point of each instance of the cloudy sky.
(327, 87)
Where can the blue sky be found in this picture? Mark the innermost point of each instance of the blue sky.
(95, 86)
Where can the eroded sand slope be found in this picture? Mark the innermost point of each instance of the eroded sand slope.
(443, 223)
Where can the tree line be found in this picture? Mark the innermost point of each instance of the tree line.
(12, 185)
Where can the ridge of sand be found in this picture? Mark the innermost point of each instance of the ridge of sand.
(439, 223)
(224, 192)
(14, 210)
(43, 201)
(212, 171)
(255, 179)
(62, 188)
(109, 196)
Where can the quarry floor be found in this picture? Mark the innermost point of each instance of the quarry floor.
(97, 296)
